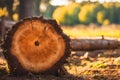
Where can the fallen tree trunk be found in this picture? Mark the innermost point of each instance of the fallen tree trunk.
(93, 44)
(36, 45)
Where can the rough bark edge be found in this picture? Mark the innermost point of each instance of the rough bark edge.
(7, 44)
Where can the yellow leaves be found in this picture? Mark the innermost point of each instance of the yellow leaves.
(99, 64)
(71, 8)
(85, 10)
(100, 17)
(15, 4)
(83, 14)
(117, 5)
(3, 12)
(106, 22)
(117, 61)
(106, 5)
(75, 13)
(59, 14)
(15, 17)
(91, 7)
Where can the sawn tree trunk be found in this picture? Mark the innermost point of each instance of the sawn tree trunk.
(36, 45)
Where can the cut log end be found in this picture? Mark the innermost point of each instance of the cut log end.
(36, 45)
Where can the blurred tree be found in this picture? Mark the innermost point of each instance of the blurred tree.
(9, 5)
(26, 8)
(67, 15)
(4, 6)
(87, 15)
(29, 8)
(46, 9)
(86, 12)
(49, 11)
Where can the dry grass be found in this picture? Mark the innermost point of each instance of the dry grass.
(92, 31)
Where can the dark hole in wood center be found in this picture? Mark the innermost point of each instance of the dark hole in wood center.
(37, 43)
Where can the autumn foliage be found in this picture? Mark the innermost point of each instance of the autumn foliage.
(86, 13)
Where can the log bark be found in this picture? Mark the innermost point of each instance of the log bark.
(93, 44)
(36, 45)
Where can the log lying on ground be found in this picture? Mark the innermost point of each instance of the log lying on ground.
(93, 44)
(36, 45)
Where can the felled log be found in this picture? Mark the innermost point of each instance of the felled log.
(93, 44)
(36, 45)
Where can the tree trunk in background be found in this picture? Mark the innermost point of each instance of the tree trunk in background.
(29, 8)
(9, 5)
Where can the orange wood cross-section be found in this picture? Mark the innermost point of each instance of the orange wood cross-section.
(36, 45)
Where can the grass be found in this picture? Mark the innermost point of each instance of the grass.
(92, 31)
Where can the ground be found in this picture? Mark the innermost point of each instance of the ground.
(81, 66)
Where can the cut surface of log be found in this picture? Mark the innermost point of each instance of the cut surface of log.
(36, 45)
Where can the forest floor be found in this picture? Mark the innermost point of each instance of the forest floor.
(82, 65)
